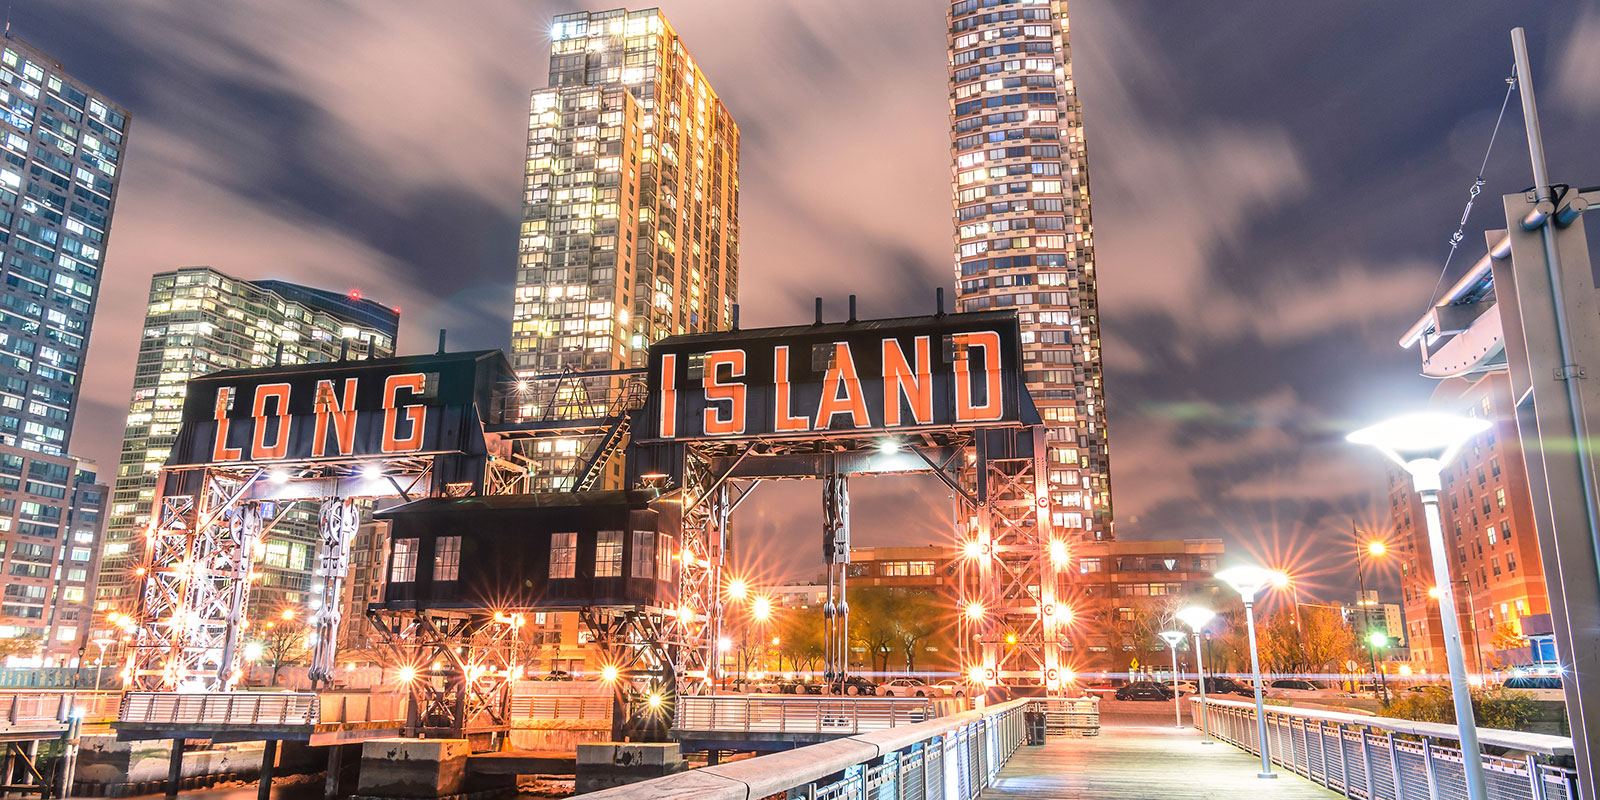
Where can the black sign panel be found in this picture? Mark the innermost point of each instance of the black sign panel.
(339, 410)
(960, 370)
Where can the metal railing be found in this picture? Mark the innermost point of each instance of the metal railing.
(569, 706)
(261, 708)
(220, 708)
(949, 758)
(43, 707)
(1378, 758)
(776, 714)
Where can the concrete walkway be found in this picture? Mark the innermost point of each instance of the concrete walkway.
(1143, 758)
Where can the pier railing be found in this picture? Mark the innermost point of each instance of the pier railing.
(952, 757)
(779, 714)
(1379, 758)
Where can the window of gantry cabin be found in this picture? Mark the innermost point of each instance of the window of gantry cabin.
(608, 555)
(563, 555)
(403, 564)
(666, 548)
(644, 554)
(447, 558)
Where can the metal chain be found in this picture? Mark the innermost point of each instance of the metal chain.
(1472, 194)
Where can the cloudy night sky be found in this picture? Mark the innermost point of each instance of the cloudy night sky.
(1274, 185)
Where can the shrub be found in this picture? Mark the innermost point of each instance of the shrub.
(1504, 710)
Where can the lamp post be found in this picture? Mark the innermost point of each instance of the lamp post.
(1197, 617)
(1422, 444)
(1173, 639)
(1378, 640)
(101, 660)
(1248, 581)
(1373, 548)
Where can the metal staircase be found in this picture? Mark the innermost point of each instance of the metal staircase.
(619, 418)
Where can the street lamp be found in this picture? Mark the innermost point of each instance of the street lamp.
(1379, 640)
(1422, 444)
(1197, 617)
(101, 660)
(1373, 549)
(1248, 580)
(1173, 639)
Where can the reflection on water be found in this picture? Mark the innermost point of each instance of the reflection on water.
(309, 787)
(294, 788)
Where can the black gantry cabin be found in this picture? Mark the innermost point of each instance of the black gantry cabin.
(554, 551)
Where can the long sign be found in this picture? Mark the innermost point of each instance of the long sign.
(960, 370)
(395, 406)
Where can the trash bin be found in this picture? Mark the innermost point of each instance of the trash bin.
(1034, 720)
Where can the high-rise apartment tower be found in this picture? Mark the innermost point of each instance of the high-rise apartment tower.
(630, 226)
(199, 321)
(1024, 239)
(62, 145)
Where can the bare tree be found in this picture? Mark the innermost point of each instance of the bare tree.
(283, 645)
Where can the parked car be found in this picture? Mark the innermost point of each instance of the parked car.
(797, 686)
(1225, 685)
(1104, 689)
(1144, 690)
(1301, 688)
(906, 687)
(950, 687)
(1542, 687)
(857, 685)
(1185, 687)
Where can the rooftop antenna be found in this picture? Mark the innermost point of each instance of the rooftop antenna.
(8, 20)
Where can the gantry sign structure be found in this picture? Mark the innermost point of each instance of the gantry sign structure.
(940, 394)
(251, 445)
(717, 414)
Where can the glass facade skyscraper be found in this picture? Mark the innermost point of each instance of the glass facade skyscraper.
(630, 225)
(1024, 236)
(199, 321)
(62, 145)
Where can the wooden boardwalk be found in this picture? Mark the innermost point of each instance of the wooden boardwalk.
(1143, 760)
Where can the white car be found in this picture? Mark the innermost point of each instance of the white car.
(906, 687)
(950, 687)
(1301, 689)
(1542, 687)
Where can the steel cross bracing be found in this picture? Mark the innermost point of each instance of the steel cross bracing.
(1017, 579)
(196, 572)
(459, 665)
(1014, 612)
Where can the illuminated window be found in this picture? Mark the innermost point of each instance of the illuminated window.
(447, 558)
(608, 555)
(563, 555)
